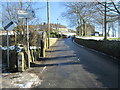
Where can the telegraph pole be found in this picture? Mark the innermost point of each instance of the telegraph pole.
(48, 21)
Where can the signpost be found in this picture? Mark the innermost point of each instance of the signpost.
(8, 26)
(27, 15)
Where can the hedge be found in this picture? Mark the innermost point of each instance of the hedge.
(108, 47)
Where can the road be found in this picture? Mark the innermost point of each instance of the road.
(68, 65)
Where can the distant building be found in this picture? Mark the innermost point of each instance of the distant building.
(90, 29)
(61, 29)
(53, 27)
(4, 32)
(72, 31)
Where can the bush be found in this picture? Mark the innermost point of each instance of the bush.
(53, 34)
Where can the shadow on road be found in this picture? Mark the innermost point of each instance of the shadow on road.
(98, 65)
(54, 64)
(55, 58)
(101, 66)
(57, 51)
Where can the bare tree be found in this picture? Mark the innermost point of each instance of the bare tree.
(111, 14)
(79, 13)
(9, 12)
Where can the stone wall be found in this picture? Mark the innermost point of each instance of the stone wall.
(53, 41)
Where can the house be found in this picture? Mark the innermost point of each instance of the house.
(87, 32)
(61, 29)
(4, 32)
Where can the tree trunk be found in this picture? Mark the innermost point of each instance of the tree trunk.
(105, 22)
(84, 28)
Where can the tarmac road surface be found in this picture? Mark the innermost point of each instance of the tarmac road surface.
(68, 65)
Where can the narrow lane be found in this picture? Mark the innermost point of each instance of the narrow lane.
(71, 66)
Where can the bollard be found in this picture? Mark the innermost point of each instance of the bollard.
(21, 63)
(32, 55)
(42, 52)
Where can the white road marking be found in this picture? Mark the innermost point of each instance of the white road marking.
(43, 69)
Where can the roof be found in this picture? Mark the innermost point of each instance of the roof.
(57, 26)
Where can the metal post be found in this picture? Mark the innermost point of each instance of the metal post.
(7, 49)
(48, 18)
(28, 43)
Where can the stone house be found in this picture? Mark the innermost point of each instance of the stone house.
(87, 32)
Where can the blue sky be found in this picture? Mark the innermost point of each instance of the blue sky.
(56, 10)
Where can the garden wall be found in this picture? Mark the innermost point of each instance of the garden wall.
(109, 47)
(53, 41)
